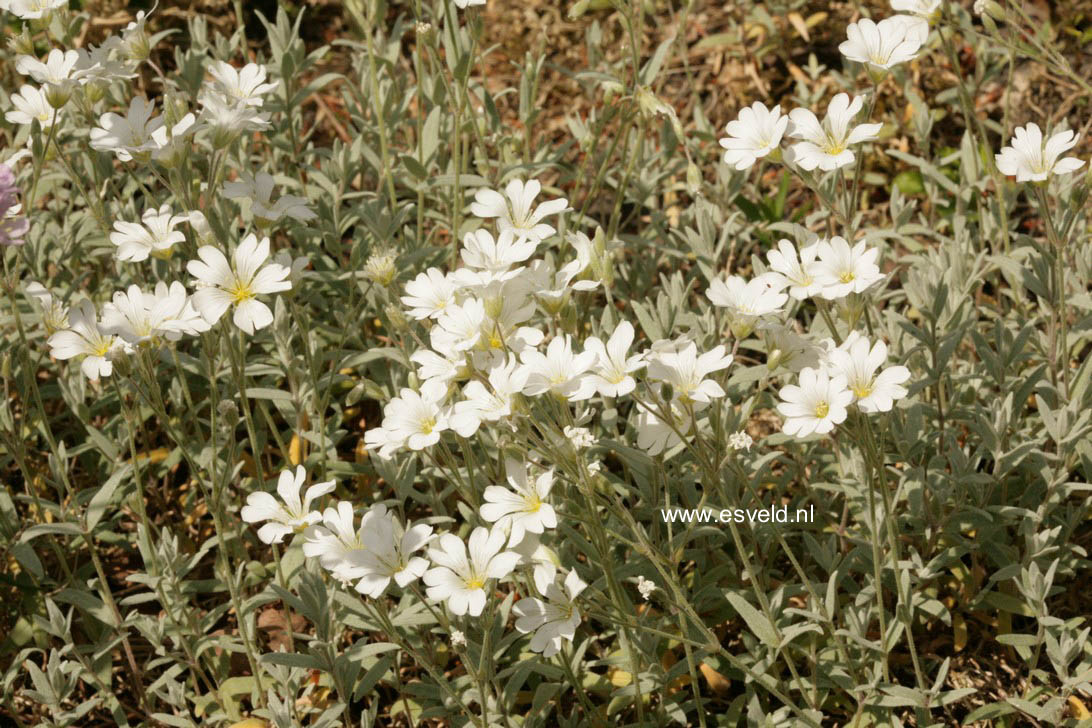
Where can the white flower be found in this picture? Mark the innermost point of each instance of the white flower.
(654, 434)
(816, 405)
(290, 517)
(517, 212)
(492, 404)
(794, 272)
(686, 372)
(336, 542)
(34, 9)
(521, 508)
(459, 578)
(559, 371)
(221, 285)
(645, 587)
(96, 66)
(258, 189)
(612, 372)
(140, 317)
(84, 337)
(481, 252)
(130, 136)
(429, 294)
(134, 40)
(928, 9)
(979, 7)
(842, 270)
(55, 74)
(54, 313)
(785, 347)
(463, 4)
(458, 639)
(388, 552)
(740, 441)
(746, 301)
(881, 45)
(227, 120)
(244, 86)
(826, 347)
(872, 392)
(552, 288)
(756, 133)
(416, 419)
(31, 104)
(917, 28)
(155, 236)
(541, 558)
(458, 327)
(172, 143)
(826, 145)
(553, 620)
(1030, 160)
(432, 366)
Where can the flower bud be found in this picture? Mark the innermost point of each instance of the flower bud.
(381, 268)
(693, 179)
(493, 306)
(22, 45)
(989, 9)
(229, 414)
(612, 89)
(223, 137)
(58, 94)
(93, 92)
(396, 317)
(136, 44)
(773, 359)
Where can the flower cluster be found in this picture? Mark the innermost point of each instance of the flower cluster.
(231, 102)
(381, 549)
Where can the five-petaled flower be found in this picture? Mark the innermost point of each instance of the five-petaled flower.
(221, 285)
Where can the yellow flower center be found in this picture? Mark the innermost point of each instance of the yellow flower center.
(847, 276)
(534, 504)
(475, 582)
(496, 342)
(822, 410)
(863, 391)
(241, 292)
(103, 348)
(428, 425)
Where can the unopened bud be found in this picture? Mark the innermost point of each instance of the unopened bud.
(396, 317)
(381, 268)
(136, 43)
(693, 179)
(58, 94)
(229, 414)
(94, 91)
(578, 9)
(22, 45)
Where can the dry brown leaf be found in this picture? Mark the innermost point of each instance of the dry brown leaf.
(798, 23)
